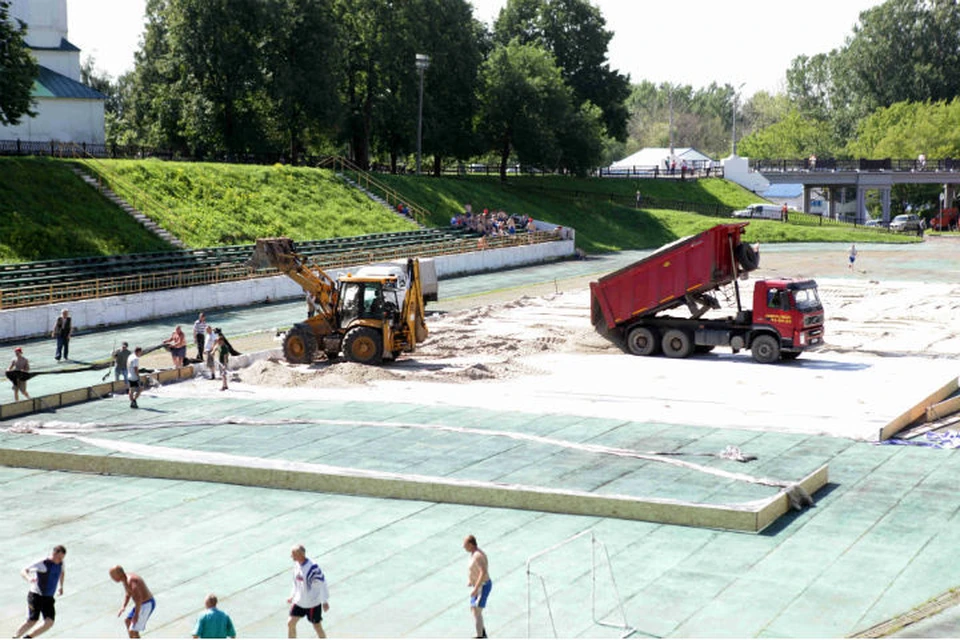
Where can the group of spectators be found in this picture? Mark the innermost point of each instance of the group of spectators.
(492, 223)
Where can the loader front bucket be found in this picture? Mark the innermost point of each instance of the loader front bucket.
(271, 252)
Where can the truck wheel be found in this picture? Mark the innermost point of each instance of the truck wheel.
(765, 349)
(300, 345)
(643, 341)
(677, 344)
(363, 345)
(746, 256)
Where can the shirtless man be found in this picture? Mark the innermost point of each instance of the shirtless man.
(143, 603)
(479, 582)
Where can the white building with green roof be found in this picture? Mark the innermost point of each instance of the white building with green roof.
(67, 110)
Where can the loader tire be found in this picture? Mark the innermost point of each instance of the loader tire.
(363, 345)
(643, 341)
(300, 345)
(765, 349)
(677, 344)
(746, 256)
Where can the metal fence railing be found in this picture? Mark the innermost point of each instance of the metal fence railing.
(84, 289)
(813, 163)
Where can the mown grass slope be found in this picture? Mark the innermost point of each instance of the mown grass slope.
(47, 212)
(215, 204)
(602, 211)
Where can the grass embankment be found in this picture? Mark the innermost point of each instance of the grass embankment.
(601, 210)
(47, 212)
(207, 205)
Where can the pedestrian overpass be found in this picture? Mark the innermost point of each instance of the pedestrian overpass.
(831, 175)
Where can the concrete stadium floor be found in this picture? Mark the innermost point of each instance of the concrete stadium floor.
(876, 544)
(871, 548)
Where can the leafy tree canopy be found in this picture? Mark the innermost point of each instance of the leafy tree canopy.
(18, 69)
(574, 31)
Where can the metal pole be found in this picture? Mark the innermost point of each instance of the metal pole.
(423, 61)
(736, 99)
(420, 120)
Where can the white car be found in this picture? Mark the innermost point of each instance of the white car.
(905, 222)
(762, 211)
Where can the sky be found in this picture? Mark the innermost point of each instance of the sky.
(689, 42)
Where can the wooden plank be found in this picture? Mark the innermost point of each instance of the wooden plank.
(749, 517)
(917, 411)
(943, 409)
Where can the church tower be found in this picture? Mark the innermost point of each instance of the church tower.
(47, 35)
(67, 111)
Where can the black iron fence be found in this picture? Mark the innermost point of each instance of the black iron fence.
(855, 164)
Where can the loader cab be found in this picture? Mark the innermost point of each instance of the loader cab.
(367, 299)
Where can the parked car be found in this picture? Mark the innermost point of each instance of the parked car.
(905, 222)
(945, 220)
(762, 211)
(874, 222)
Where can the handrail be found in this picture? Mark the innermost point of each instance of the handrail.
(393, 197)
(37, 295)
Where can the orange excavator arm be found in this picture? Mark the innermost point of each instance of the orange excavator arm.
(281, 254)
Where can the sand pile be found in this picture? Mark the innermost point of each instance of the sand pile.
(503, 341)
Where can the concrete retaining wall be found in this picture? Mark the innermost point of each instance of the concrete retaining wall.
(32, 322)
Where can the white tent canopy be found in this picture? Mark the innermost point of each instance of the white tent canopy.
(654, 156)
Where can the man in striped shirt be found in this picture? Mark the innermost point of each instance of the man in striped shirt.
(310, 595)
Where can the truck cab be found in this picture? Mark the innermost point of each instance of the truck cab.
(790, 312)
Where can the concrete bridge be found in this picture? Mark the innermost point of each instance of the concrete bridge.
(864, 175)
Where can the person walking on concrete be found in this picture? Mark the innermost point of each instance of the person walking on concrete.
(310, 596)
(62, 331)
(853, 255)
(120, 358)
(200, 334)
(135, 589)
(478, 579)
(134, 381)
(208, 343)
(46, 581)
(17, 373)
(213, 623)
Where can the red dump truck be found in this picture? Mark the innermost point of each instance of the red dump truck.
(629, 305)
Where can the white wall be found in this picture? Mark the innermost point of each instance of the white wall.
(66, 63)
(737, 169)
(47, 20)
(38, 321)
(61, 119)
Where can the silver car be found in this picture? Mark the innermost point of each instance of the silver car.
(905, 222)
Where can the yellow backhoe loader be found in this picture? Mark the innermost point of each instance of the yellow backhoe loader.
(370, 316)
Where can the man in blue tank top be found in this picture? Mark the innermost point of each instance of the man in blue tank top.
(46, 580)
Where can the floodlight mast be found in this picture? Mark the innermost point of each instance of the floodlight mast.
(422, 61)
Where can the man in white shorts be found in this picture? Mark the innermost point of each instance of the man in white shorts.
(143, 603)
(310, 595)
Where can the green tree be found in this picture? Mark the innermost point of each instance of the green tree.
(456, 43)
(524, 107)
(216, 48)
(574, 31)
(154, 105)
(907, 129)
(18, 69)
(363, 28)
(302, 71)
(795, 136)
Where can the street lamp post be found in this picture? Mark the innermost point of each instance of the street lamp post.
(736, 99)
(423, 61)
